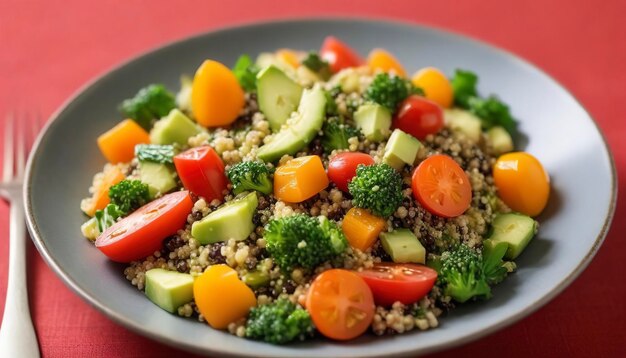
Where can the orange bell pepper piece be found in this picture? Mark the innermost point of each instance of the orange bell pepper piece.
(362, 228)
(216, 96)
(380, 59)
(118, 143)
(299, 179)
(100, 199)
(221, 296)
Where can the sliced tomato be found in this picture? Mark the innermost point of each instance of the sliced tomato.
(406, 283)
(419, 117)
(339, 55)
(202, 172)
(441, 186)
(342, 168)
(142, 233)
(340, 304)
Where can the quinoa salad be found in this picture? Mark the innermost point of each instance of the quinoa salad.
(315, 194)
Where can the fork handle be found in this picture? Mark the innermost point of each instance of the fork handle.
(17, 335)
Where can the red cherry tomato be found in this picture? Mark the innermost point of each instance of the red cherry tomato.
(142, 233)
(202, 172)
(339, 55)
(419, 117)
(441, 186)
(342, 168)
(407, 283)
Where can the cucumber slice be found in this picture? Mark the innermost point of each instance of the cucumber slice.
(169, 289)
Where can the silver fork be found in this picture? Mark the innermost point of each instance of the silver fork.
(17, 335)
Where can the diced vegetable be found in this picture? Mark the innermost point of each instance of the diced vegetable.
(435, 85)
(202, 172)
(315, 63)
(342, 167)
(500, 140)
(107, 217)
(249, 175)
(155, 153)
(118, 144)
(100, 198)
(279, 322)
(169, 289)
(299, 179)
(377, 188)
(362, 228)
(216, 97)
(401, 149)
(232, 220)
(288, 56)
(419, 117)
(380, 59)
(129, 195)
(175, 128)
(389, 91)
(222, 297)
(403, 246)
(515, 230)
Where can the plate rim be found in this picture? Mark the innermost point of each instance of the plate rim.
(93, 301)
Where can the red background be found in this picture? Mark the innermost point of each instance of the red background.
(48, 49)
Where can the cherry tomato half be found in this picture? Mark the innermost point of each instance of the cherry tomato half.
(419, 117)
(340, 304)
(391, 282)
(523, 184)
(342, 168)
(142, 233)
(441, 186)
(339, 55)
(202, 172)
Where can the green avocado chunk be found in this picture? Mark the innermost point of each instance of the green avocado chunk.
(159, 177)
(500, 140)
(403, 246)
(374, 121)
(300, 129)
(232, 220)
(462, 121)
(169, 289)
(176, 127)
(401, 149)
(514, 229)
(278, 96)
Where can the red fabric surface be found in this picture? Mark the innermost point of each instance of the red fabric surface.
(48, 49)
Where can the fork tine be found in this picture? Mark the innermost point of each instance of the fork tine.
(7, 170)
(20, 149)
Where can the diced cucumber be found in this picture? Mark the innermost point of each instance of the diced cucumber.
(514, 229)
(403, 246)
(278, 96)
(500, 140)
(232, 220)
(169, 289)
(463, 121)
(401, 149)
(374, 121)
(159, 177)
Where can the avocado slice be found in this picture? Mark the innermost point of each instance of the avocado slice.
(278, 96)
(169, 289)
(176, 127)
(401, 149)
(232, 220)
(300, 129)
(515, 229)
(374, 121)
(159, 177)
(500, 140)
(462, 121)
(403, 246)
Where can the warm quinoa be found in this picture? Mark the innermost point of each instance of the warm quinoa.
(240, 142)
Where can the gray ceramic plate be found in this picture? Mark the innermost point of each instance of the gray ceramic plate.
(560, 133)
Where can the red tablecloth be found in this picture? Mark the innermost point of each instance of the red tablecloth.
(50, 48)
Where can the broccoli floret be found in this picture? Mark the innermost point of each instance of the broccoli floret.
(314, 62)
(129, 195)
(336, 135)
(107, 216)
(303, 241)
(490, 110)
(376, 187)
(493, 266)
(250, 176)
(155, 153)
(245, 70)
(389, 91)
(331, 105)
(150, 103)
(462, 275)
(279, 322)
